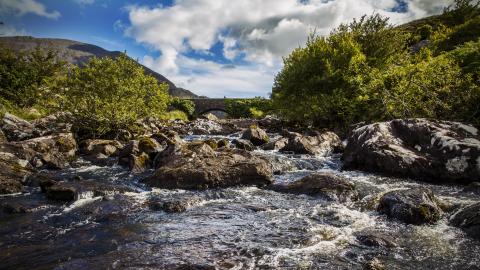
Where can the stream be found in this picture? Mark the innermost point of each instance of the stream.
(231, 228)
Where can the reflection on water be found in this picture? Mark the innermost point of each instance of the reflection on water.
(233, 228)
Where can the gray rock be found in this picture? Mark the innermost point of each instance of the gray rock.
(322, 144)
(243, 144)
(13, 171)
(327, 185)
(413, 206)
(468, 219)
(276, 145)
(17, 129)
(419, 148)
(256, 136)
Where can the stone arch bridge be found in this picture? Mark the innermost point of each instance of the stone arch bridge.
(205, 105)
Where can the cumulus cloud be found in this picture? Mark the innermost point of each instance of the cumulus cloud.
(257, 32)
(22, 7)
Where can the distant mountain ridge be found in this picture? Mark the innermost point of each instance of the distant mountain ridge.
(78, 53)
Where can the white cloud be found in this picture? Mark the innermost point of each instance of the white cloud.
(259, 32)
(6, 30)
(22, 7)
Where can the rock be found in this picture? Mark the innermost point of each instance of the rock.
(17, 129)
(243, 144)
(207, 127)
(149, 146)
(13, 171)
(13, 208)
(327, 185)
(172, 206)
(419, 148)
(168, 137)
(412, 206)
(256, 136)
(61, 193)
(223, 143)
(53, 151)
(54, 124)
(280, 164)
(276, 145)
(210, 116)
(100, 151)
(212, 143)
(201, 168)
(136, 160)
(322, 144)
(3, 138)
(374, 264)
(105, 147)
(71, 191)
(473, 187)
(139, 163)
(375, 240)
(468, 219)
(271, 124)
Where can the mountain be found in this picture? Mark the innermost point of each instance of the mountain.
(78, 53)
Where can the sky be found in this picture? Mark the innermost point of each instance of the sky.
(214, 48)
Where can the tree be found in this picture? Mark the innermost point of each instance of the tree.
(24, 75)
(108, 95)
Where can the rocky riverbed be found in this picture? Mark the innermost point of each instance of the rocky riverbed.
(232, 195)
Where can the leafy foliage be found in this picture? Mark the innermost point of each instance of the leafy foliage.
(108, 95)
(248, 108)
(184, 105)
(365, 71)
(25, 75)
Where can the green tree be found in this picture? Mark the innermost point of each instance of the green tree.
(184, 105)
(25, 75)
(107, 95)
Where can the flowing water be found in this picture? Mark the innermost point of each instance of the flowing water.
(232, 228)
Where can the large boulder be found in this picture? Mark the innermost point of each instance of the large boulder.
(327, 185)
(419, 148)
(468, 219)
(199, 167)
(17, 129)
(13, 171)
(54, 151)
(60, 122)
(100, 152)
(256, 136)
(243, 144)
(321, 143)
(412, 206)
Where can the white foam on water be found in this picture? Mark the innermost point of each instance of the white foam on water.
(81, 202)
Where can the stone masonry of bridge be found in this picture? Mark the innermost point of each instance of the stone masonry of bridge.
(204, 105)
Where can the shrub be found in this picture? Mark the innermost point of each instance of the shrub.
(107, 95)
(248, 108)
(184, 105)
(175, 115)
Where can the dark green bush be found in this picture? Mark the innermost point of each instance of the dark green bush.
(248, 108)
(184, 105)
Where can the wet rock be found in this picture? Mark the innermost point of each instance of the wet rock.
(223, 143)
(412, 206)
(172, 206)
(256, 136)
(419, 148)
(168, 137)
(139, 163)
(473, 187)
(280, 164)
(13, 171)
(201, 168)
(330, 186)
(13, 208)
(322, 144)
(17, 129)
(54, 151)
(276, 145)
(374, 264)
(136, 160)
(375, 240)
(271, 124)
(212, 143)
(243, 144)
(61, 193)
(468, 219)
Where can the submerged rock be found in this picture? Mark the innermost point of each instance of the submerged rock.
(330, 186)
(322, 144)
(256, 136)
(424, 149)
(468, 219)
(412, 206)
(197, 166)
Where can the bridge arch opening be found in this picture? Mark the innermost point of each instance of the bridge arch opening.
(218, 112)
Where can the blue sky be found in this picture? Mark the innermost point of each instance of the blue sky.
(213, 47)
